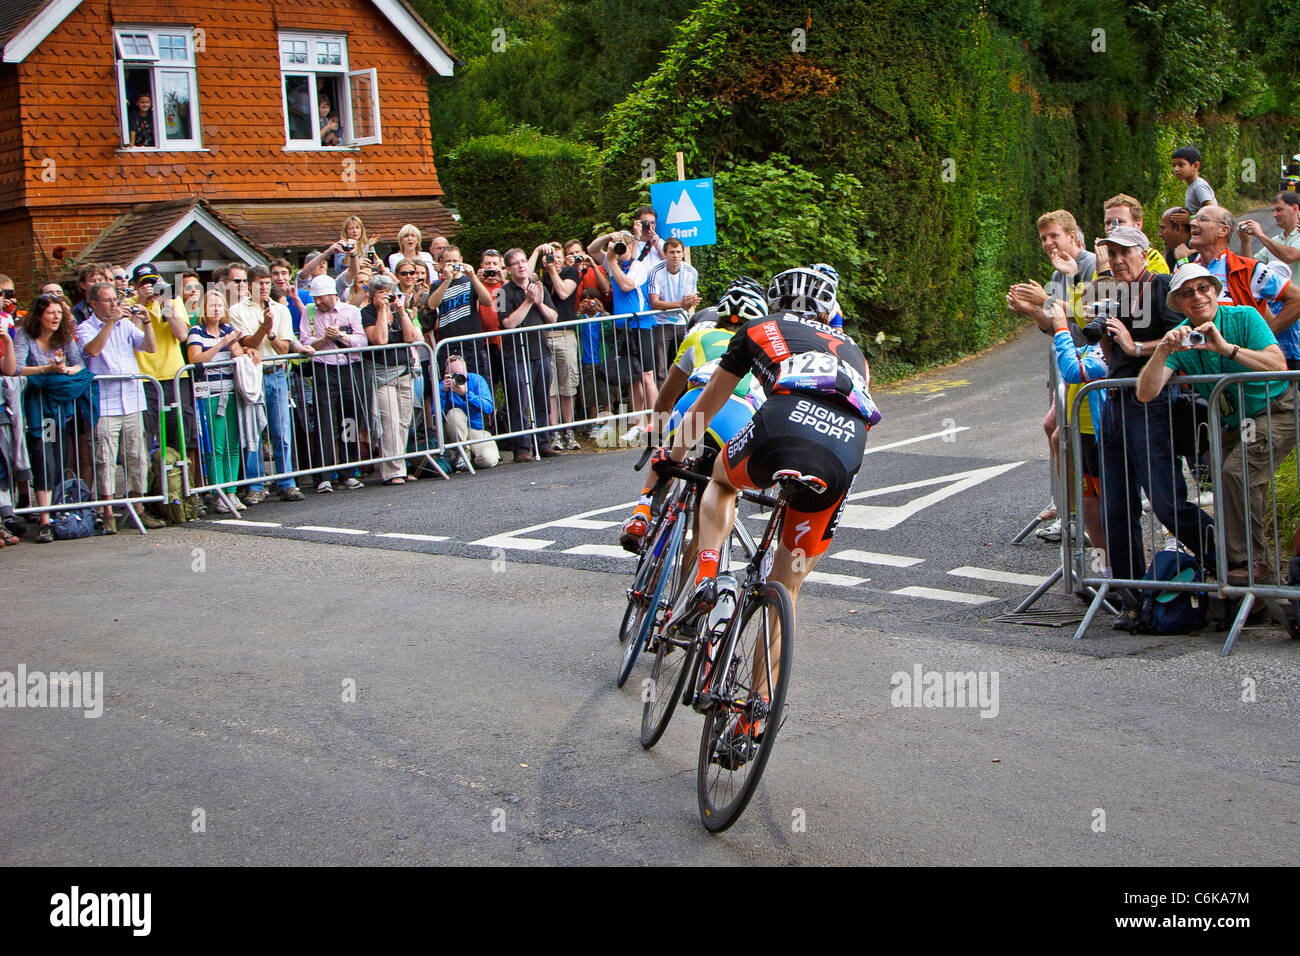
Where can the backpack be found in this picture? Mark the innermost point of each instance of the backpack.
(177, 509)
(77, 523)
(1173, 612)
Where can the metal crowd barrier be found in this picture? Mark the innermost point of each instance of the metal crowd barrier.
(340, 418)
(1177, 519)
(61, 453)
(520, 373)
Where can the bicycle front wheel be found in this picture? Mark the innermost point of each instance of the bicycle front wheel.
(663, 557)
(740, 725)
(663, 689)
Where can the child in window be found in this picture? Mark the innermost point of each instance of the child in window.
(141, 125)
(329, 122)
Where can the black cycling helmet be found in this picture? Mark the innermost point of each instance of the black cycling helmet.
(802, 290)
(740, 304)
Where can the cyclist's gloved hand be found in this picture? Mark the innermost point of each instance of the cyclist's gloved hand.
(660, 462)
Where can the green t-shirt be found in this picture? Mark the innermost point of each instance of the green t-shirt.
(1240, 325)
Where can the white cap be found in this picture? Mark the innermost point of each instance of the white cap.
(322, 285)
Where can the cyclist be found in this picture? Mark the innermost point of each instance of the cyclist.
(835, 318)
(692, 368)
(815, 420)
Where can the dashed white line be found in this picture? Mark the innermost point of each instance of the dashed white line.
(843, 580)
(874, 557)
(412, 537)
(604, 550)
(585, 523)
(313, 527)
(939, 594)
(1005, 577)
(240, 522)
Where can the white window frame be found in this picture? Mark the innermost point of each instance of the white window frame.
(157, 67)
(346, 79)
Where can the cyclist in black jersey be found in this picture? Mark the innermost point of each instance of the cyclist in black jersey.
(815, 420)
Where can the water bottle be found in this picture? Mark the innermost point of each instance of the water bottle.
(714, 622)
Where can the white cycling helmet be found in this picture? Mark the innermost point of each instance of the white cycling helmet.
(802, 290)
(828, 270)
(740, 304)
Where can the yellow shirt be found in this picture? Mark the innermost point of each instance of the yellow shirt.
(166, 360)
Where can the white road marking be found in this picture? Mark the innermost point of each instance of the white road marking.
(873, 557)
(872, 449)
(412, 537)
(843, 580)
(584, 523)
(1005, 577)
(240, 522)
(939, 594)
(882, 518)
(312, 527)
(509, 539)
(604, 550)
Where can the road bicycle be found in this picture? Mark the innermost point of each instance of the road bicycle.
(731, 664)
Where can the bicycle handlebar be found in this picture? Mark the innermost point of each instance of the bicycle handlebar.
(695, 477)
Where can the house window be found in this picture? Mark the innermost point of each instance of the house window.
(157, 88)
(325, 103)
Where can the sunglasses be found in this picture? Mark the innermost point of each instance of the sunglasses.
(409, 272)
(122, 276)
(490, 252)
(1204, 288)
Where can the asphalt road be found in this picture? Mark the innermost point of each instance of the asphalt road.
(481, 724)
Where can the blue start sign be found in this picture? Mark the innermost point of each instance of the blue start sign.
(684, 210)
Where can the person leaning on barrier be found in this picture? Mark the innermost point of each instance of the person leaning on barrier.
(1136, 450)
(525, 304)
(560, 278)
(1244, 281)
(467, 405)
(1283, 249)
(266, 328)
(214, 340)
(1234, 339)
(335, 379)
(387, 322)
(451, 308)
(110, 339)
(46, 345)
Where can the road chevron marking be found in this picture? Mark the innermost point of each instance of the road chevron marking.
(1003, 577)
(939, 594)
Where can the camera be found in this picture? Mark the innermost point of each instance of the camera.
(1098, 312)
(620, 248)
(348, 246)
(390, 298)
(490, 273)
(549, 258)
(459, 378)
(1241, 227)
(160, 288)
(647, 226)
(457, 268)
(1195, 338)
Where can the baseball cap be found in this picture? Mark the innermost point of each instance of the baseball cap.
(322, 285)
(145, 270)
(1127, 236)
(1185, 274)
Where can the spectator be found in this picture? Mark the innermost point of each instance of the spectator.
(352, 244)
(1187, 169)
(449, 310)
(1073, 267)
(266, 328)
(492, 272)
(353, 286)
(140, 126)
(595, 384)
(410, 288)
(335, 380)
(109, 340)
(214, 340)
(674, 284)
(282, 282)
(53, 289)
(87, 275)
(1135, 449)
(408, 247)
(46, 345)
(437, 246)
(15, 464)
(467, 404)
(10, 314)
(561, 281)
(121, 282)
(1243, 281)
(1119, 211)
(329, 121)
(628, 278)
(1283, 248)
(1237, 339)
(648, 248)
(171, 326)
(317, 264)
(387, 322)
(1175, 233)
(524, 303)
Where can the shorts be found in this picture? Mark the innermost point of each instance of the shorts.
(634, 351)
(731, 418)
(564, 362)
(1090, 466)
(815, 437)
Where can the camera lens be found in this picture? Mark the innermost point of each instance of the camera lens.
(1195, 338)
(620, 248)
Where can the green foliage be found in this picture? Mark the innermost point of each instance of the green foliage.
(1196, 62)
(520, 188)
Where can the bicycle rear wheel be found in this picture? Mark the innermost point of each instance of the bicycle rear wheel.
(740, 727)
(663, 557)
(641, 577)
(663, 689)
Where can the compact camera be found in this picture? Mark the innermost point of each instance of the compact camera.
(1195, 338)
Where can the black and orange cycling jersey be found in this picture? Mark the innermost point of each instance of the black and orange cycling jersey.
(792, 353)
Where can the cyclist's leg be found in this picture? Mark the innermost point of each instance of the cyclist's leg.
(717, 513)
